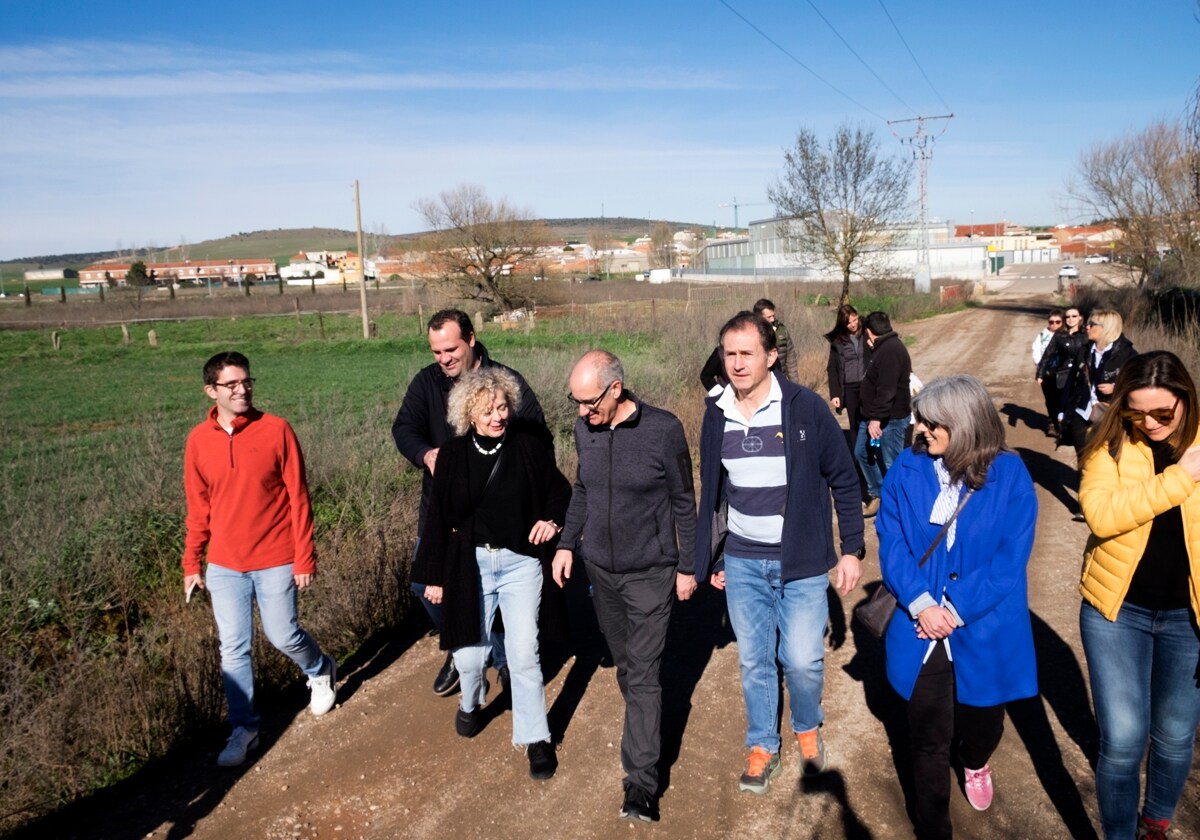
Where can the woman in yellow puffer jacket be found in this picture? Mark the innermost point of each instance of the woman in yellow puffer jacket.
(1141, 575)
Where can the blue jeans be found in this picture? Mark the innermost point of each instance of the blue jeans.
(233, 595)
(777, 621)
(1143, 669)
(435, 615)
(514, 583)
(890, 447)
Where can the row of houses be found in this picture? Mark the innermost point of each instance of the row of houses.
(190, 271)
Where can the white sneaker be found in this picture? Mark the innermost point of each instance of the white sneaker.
(240, 742)
(324, 689)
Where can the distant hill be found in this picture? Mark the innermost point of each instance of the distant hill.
(282, 243)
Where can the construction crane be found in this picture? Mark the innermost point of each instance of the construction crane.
(735, 204)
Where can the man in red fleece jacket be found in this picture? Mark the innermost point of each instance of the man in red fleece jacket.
(247, 499)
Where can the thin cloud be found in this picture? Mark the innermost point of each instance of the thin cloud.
(84, 70)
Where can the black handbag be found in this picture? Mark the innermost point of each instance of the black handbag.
(876, 612)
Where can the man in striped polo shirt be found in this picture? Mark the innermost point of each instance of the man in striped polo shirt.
(773, 466)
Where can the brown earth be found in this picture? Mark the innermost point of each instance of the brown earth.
(387, 763)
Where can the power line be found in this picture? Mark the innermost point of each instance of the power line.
(913, 57)
(817, 75)
(861, 60)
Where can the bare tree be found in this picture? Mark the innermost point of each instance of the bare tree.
(662, 244)
(839, 200)
(597, 240)
(379, 240)
(1144, 184)
(476, 245)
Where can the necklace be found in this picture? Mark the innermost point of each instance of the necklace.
(482, 451)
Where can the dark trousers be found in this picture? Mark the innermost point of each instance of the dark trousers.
(936, 720)
(1075, 431)
(1052, 394)
(633, 610)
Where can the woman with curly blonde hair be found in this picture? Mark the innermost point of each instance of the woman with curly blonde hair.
(493, 522)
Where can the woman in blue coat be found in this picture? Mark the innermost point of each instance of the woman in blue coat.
(960, 644)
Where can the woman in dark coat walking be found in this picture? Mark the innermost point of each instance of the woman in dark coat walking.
(492, 526)
(1057, 363)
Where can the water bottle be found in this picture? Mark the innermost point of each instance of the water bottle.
(872, 450)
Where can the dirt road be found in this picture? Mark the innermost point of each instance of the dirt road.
(387, 763)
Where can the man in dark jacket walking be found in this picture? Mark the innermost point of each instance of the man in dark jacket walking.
(772, 457)
(633, 520)
(420, 429)
(885, 405)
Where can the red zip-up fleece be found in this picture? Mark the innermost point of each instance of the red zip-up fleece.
(247, 498)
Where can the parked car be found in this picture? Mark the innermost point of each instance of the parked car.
(1093, 259)
(1068, 272)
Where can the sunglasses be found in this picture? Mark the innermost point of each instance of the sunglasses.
(1055, 321)
(1162, 416)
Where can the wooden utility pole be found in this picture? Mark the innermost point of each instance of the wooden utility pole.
(362, 264)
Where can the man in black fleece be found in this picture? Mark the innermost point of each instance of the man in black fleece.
(421, 428)
(884, 405)
(633, 521)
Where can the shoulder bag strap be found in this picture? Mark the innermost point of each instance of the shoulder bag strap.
(945, 528)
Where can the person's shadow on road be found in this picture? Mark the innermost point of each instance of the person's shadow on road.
(1056, 478)
(699, 626)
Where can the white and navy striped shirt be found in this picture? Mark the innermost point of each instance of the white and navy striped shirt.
(752, 454)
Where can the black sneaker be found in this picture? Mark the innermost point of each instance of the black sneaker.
(447, 678)
(467, 724)
(542, 760)
(639, 805)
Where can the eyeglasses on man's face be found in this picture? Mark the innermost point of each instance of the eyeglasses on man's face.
(233, 385)
(1162, 416)
(591, 406)
(1054, 322)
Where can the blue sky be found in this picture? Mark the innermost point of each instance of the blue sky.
(144, 123)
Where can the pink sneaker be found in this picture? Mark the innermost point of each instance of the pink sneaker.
(978, 786)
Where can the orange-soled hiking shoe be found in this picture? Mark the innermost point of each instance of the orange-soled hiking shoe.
(760, 767)
(812, 752)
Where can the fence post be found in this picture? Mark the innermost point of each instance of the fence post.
(101, 288)
(124, 334)
(321, 324)
(312, 285)
(152, 337)
(28, 299)
(62, 294)
(280, 281)
(56, 340)
(296, 305)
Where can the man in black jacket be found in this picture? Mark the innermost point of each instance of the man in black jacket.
(884, 405)
(632, 518)
(420, 429)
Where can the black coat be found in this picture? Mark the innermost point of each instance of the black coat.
(1085, 374)
(446, 555)
(1060, 354)
(885, 384)
(845, 351)
(421, 424)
